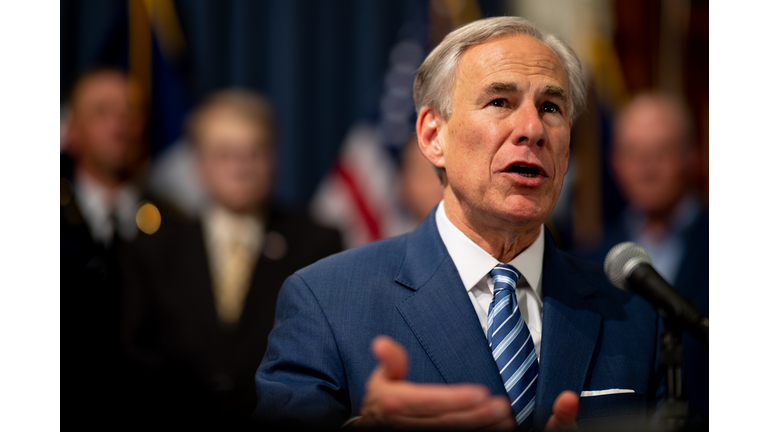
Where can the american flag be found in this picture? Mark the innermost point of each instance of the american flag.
(359, 195)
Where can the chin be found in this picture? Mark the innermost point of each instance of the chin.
(521, 218)
(235, 206)
(522, 210)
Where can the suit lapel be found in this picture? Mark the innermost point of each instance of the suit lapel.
(444, 321)
(569, 334)
(193, 274)
(440, 313)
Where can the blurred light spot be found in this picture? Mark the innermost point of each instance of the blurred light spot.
(148, 218)
(66, 192)
(275, 246)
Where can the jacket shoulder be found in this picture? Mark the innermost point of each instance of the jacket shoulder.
(371, 260)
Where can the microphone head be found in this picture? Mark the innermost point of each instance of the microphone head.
(621, 260)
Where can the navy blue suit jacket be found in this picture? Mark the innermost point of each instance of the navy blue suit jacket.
(318, 359)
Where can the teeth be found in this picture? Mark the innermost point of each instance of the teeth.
(527, 175)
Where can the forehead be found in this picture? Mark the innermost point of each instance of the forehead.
(513, 57)
(649, 121)
(101, 87)
(219, 124)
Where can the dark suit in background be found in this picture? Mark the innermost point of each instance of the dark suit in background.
(90, 295)
(90, 282)
(187, 367)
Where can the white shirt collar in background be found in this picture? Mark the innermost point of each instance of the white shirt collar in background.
(96, 202)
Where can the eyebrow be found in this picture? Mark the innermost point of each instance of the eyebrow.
(497, 88)
(556, 92)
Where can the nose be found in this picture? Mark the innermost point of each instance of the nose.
(528, 127)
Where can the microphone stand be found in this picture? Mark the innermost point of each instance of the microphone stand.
(674, 407)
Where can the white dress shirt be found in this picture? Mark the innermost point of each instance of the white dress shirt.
(474, 265)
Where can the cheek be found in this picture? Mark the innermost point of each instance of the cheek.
(468, 148)
(218, 173)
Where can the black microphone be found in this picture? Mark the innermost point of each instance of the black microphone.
(628, 267)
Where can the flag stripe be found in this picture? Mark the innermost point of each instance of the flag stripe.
(360, 204)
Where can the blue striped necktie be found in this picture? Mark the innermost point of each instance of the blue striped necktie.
(512, 345)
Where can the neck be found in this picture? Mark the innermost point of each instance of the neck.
(256, 211)
(503, 241)
(656, 226)
(659, 222)
(110, 181)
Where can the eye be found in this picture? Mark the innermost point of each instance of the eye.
(499, 103)
(549, 107)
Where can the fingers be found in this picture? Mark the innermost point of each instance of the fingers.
(426, 400)
(564, 412)
(493, 413)
(390, 400)
(392, 358)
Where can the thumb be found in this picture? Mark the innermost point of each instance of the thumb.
(564, 412)
(392, 357)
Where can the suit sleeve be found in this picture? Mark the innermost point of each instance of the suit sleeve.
(301, 378)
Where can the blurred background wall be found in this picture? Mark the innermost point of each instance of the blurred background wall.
(339, 73)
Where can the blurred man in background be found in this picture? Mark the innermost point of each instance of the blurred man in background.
(102, 162)
(100, 185)
(653, 159)
(201, 295)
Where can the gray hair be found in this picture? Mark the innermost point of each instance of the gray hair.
(435, 79)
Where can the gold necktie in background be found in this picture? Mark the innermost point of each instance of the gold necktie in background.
(231, 280)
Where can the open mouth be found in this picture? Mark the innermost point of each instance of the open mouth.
(524, 170)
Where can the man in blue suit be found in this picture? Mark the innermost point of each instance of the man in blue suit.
(496, 101)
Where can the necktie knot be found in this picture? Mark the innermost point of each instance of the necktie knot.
(504, 276)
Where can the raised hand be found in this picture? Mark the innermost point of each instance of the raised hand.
(392, 401)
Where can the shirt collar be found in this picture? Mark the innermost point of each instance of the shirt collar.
(683, 215)
(96, 202)
(223, 225)
(473, 263)
(93, 198)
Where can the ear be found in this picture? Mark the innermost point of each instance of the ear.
(428, 125)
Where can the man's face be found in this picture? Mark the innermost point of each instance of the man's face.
(506, 144)
(107, 126)
(649, 159)
(235, 160)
